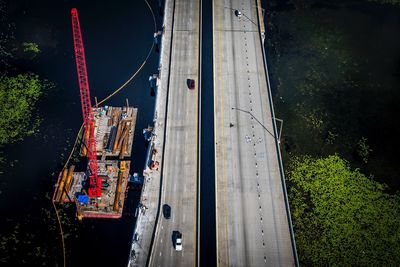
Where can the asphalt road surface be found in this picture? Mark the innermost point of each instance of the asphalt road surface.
(252, 224)
(181, 154)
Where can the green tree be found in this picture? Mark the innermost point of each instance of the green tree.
(340, 216)
(31, 47)
(18, 96)
(363, 149)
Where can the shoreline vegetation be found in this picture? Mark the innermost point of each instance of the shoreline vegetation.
(20, 93)
(20, 90)
(342, 217)
(18, 96)
(338, 143)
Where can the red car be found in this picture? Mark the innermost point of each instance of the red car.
(191, 84)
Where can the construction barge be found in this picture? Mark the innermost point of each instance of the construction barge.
(114, 129)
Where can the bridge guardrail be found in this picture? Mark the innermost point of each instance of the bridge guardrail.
(261, 21)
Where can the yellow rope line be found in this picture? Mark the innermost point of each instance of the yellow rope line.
(81, 128)
(61, 232)
(141, 66)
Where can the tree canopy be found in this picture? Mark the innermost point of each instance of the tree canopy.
(18, 96)
(31, 47)
(340, 216)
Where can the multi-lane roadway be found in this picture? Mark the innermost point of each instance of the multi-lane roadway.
(251, 218)
(252, 225)
(180, 172)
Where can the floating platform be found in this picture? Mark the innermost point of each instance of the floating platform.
(114, 131)
(114, 175)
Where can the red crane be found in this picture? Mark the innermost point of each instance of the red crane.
(94, 180)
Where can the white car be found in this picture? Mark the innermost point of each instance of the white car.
(178, 241)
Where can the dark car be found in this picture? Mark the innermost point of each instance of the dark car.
(191, 84)
(166, 209)
(238, 13)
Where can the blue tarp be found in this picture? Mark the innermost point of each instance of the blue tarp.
(83, 199)
(136, 179)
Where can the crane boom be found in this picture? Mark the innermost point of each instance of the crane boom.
(94, 180)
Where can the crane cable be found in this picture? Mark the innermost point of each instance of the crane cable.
(81, 128)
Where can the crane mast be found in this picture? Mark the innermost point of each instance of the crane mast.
(94, 180)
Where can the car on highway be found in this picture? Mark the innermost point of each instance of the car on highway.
(166, 211)
(177, 237)
(238, 13)
(190, 84)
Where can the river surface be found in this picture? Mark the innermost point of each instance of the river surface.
(335, 73)
(117, 37)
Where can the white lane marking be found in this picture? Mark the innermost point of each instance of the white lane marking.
(161, 240)
(160, 253)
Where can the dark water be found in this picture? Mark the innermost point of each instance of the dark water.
(335, 69)
(207, 165)
(117, 36)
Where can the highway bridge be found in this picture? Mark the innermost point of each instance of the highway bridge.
(180, 172)
(252, 219)
(252, 225)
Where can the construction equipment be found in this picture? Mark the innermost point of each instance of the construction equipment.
(60, 186)
(122, 166)
(67, 183)
(118, 191)
(154, 164)
(94, 180)
(97, 190)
